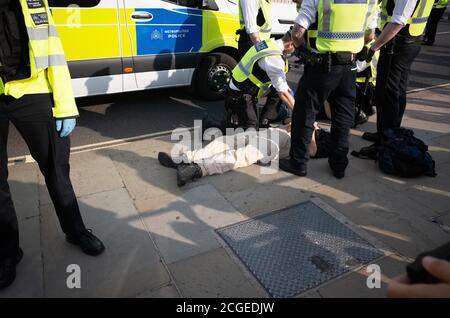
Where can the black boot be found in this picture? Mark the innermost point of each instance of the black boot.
(8, 269)
(372, 137)
(288, 166)
(361, 118)
(188, 173)
(166, 160)
(370, 151)
(88, 243)
(338, 170)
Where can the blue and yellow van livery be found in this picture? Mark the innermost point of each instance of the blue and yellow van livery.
(124, 45)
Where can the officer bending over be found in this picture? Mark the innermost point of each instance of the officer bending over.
(263, 66)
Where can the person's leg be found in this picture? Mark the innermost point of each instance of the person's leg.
(35, 122)
(251, 119)
(406, 56)
(269, 112)
(432, 25)
(342, 101)
(314, 89)
(9, 229)
(232, 159)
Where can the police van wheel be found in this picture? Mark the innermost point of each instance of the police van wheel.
(213, 76)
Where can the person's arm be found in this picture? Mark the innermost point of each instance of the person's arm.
(274, 67)
(389, 32)
(250, 13)
(287, 99)
(402, 12)
(306, 17)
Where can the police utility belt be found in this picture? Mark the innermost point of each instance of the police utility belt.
(327, 60)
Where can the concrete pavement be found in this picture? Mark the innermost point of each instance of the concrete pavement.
(160, 239)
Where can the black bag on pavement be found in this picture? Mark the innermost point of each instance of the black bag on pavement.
(404, 155)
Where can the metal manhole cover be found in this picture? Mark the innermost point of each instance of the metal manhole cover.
(298, 248)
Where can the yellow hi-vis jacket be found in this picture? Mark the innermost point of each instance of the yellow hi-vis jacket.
(266, 29)
(245, 69)
(49, 71)
(416, 23)
(440, 4)
(340, 26)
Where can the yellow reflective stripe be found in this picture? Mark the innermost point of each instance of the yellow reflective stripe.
(326, 17)
(43, 62)
(41, 34)
(423, 4)
(258, 56)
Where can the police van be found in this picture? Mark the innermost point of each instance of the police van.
(117, 46)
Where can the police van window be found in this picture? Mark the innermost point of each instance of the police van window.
(200, 4)
(79, 3)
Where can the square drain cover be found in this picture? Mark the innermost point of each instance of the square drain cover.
(298, 248)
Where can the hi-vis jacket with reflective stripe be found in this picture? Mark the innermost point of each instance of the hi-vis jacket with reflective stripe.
(416, 23)
(49, 71)
(440, 4)
(245, 68)
(340, 26)
(266, 28)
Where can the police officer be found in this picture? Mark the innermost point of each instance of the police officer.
(436, 14)
(402, 23)
(36, 96)
(256, 25)
(264, 66)
(335, 35)
(255, 18)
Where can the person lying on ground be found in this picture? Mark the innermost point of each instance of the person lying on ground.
(241, 150)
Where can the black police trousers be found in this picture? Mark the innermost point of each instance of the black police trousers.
(432, 24)
(392, 81)
(243, 106)
(316, 87)
(33, 118)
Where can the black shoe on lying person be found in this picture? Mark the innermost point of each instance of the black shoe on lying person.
(88, 243)
(288, 166)
(8, 269)
(187, 173)
(166, 160)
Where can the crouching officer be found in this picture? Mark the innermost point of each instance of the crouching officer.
(335, 35)
(36, 96)
(263, 66)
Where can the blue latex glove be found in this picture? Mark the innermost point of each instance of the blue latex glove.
(65, 126)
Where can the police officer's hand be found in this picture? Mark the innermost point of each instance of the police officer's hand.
(401, 287)
(65, 126)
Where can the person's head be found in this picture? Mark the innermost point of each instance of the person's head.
(288, 44)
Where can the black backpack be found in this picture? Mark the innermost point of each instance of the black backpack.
(401, 154)
(404, 155)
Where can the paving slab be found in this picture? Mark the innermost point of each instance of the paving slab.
(90, 173)
(168, 291)
(262, 198)
(391, 217)
(185, 226)
(29, 282)
(130, 264)
(142, 174)
(213, 275)
(24, 189)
